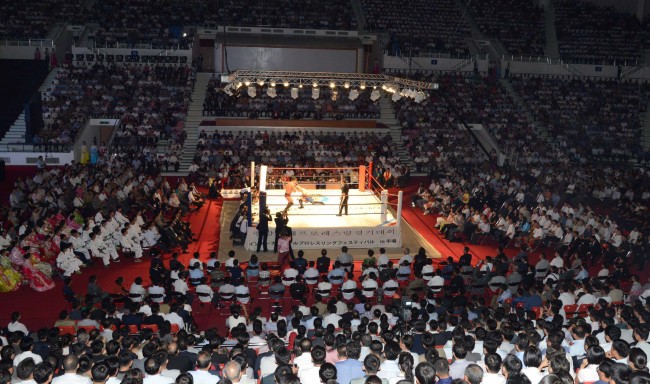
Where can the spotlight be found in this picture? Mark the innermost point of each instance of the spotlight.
(332, 85)
(383, 87)
(247, 82)
(300, 86)
(346, 85)
(239, 84)
(273, 83)
(314, 84)
(184, 34)
(363, 86)
(261, 83)
(286, 83)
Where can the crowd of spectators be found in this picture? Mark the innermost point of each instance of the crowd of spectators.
(150, 101)
(519, 25)
(591, 34)
(170, 24)
(403, 321)
(307, 14)
(34, 19)
(556, 192)
(226, 155)
(590, 119)
(330, 104)
(418, 26)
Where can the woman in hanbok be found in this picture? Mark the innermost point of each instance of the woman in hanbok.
(85, 155)
(9, 278)
(94, 154)
(33, 276)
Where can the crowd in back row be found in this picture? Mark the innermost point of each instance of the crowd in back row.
(585, 31)
(219, 153)
(150, 101)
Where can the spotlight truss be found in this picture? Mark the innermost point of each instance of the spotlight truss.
(326, 79)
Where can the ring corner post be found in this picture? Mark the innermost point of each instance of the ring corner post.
(384, 205)
(263, 171)
(362, 178)
(400, 197)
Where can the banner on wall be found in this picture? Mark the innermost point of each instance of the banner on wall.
(317, 238)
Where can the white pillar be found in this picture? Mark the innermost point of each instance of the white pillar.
(263, 169)
(252, 174)
(399, 207)
(384, 205)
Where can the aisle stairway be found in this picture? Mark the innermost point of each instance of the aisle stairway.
(551, 49)
(16, 133)
(388, 119)
(645, 133)
(192, 123)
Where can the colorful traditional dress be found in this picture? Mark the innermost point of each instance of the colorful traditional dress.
(9, 278)
(33, 276)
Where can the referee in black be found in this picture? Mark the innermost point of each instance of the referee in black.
(345, 189)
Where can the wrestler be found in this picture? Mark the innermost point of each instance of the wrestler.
(312, 199)
(290, 187)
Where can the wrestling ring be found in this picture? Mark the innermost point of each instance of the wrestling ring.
(371, 220)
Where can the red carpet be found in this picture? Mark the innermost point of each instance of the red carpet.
(41, 309)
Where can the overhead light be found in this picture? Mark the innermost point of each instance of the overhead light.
(363, 86)
(247, 82)
(261, 83)
(239, 84)
(273, 83)
(383, 87)
(374, 87)
(184, 34)
(346, 85)
(314, 84)
(286, 83)
(300, 86)
(332, 85)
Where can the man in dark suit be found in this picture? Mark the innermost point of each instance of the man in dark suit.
(263, 230)
(323, 262)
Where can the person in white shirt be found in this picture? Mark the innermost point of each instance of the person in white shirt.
(406, 257)
(369, 286)
(311, 274)
(382, 260)
(436, 283)
(156, 293)
(235, 317)
(15, 325)
(532, 362)
(310, 374)
(202, 374)
(242, 294)
(70, 365)
(557, 261)
(153, 369)
(492, 373)
(349, 287)
(346, 260)
(588, 372)
(205, 293)
(289, 275)
(137, 291)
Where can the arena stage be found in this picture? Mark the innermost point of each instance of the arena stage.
(369, 223)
